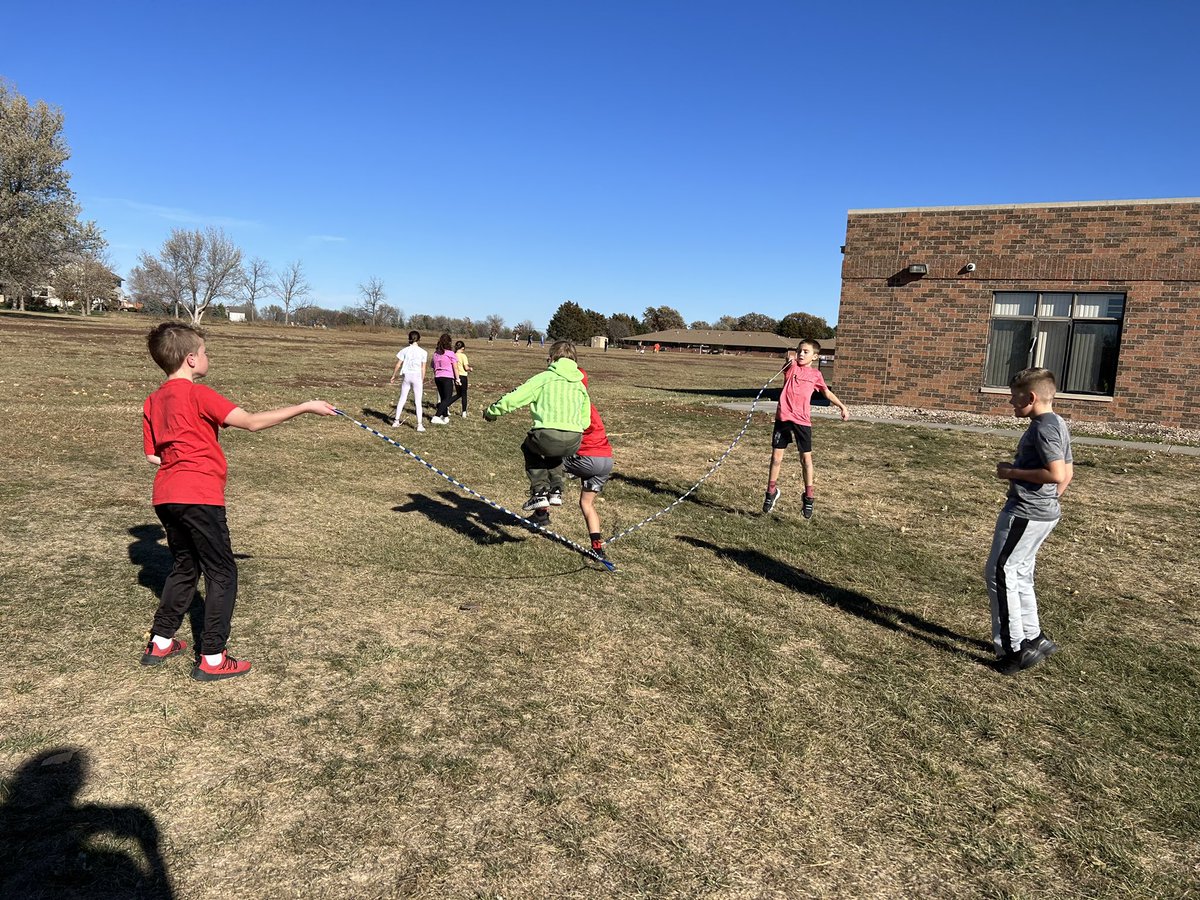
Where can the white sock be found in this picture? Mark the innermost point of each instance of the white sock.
(163, 643)
(214, 659)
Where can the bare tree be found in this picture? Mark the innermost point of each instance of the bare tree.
(256, 284)
(291, 287)
(194, 269)
(390, 315)
(87, 280)
(373, 295)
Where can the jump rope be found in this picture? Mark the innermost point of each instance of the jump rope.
(586, 552)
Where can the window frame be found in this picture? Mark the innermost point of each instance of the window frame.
(1071, 320)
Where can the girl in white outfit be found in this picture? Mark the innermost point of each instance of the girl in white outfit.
(410, 364)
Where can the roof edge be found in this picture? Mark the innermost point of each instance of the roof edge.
(1048, 205)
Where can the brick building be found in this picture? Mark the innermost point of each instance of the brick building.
(941, 305)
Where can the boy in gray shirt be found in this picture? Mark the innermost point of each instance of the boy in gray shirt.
(1037, 477)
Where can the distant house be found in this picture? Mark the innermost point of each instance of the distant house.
(941, 306)
(237, 316)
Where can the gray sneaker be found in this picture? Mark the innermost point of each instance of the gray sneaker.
(555, 498)
(770, 500)
(1044, 645)
(807, 509)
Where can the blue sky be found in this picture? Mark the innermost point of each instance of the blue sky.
(503, 157)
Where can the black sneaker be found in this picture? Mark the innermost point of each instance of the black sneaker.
(807, 509)
(1044, 645)
(540, 517)
(1031, 654)
(555, 498)
(536, 501)
(1008, 664)
(770, 500)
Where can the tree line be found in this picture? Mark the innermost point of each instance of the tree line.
(574, 323)
(45, 246)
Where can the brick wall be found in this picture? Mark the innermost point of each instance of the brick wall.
(923, 341)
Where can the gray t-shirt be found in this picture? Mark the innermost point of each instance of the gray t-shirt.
(1046, 440)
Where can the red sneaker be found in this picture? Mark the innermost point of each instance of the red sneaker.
(228, 667)
(156, 657)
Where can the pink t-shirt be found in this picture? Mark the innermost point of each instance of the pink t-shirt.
(795, 400)
(443, 364)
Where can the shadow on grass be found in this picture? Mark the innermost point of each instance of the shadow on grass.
(465, 515)
(856, 604)
(48, 845)
(386, 417)
(154, 561)
(726, 393)
(664, 490)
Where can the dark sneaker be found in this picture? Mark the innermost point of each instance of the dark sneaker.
(555, 498)
(153, 656)
(536, 501)
(1009, 664)
(228, 667)
(540, 517)
(770, 500)
(1044, 645)
(808, 507)
(1031, 654)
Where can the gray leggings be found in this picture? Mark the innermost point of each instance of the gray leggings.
(1009, 578)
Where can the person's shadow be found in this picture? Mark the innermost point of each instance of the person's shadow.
(466, 515)
(48, 846)
(856, 604)
(662, 490)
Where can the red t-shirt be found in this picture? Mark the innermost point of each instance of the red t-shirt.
(594, 441)
(795, 400)
(180, 422)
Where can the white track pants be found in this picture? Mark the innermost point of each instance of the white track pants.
(1009, 577)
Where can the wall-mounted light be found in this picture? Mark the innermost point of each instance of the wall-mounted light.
(918, 269)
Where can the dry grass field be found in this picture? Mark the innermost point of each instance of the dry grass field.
(753, 706)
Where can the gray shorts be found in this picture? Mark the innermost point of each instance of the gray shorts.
(592, 471)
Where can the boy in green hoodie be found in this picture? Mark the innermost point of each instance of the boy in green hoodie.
(561, 409)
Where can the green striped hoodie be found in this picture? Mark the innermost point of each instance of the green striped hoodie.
(556, 398)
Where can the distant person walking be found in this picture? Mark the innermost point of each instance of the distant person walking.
(411, 363)
(462, 367)
(444, 361)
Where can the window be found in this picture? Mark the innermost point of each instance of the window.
(1076, 336)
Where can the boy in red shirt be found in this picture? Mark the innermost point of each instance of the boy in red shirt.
(180, 422)
(793, 420)
(592, 464)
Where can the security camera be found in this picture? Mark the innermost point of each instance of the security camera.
(970, 267)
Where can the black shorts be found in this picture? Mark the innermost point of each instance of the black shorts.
(786, 432)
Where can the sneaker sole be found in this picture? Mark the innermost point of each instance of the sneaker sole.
(148, 660)
(200, 675)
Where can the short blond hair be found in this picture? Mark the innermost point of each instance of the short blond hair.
(1035, 380)
(561, 350)
(171, 342)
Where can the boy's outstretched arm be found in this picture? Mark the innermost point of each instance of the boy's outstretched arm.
(239, 418)
(833, 398)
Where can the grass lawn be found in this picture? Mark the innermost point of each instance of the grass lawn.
(753, 706)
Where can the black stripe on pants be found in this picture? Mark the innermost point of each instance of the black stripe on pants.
(1015, 533)
(198, 536)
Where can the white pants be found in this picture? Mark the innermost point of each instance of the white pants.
(418, 386)
(1009, 577)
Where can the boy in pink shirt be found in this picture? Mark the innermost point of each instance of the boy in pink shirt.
(793, 420)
